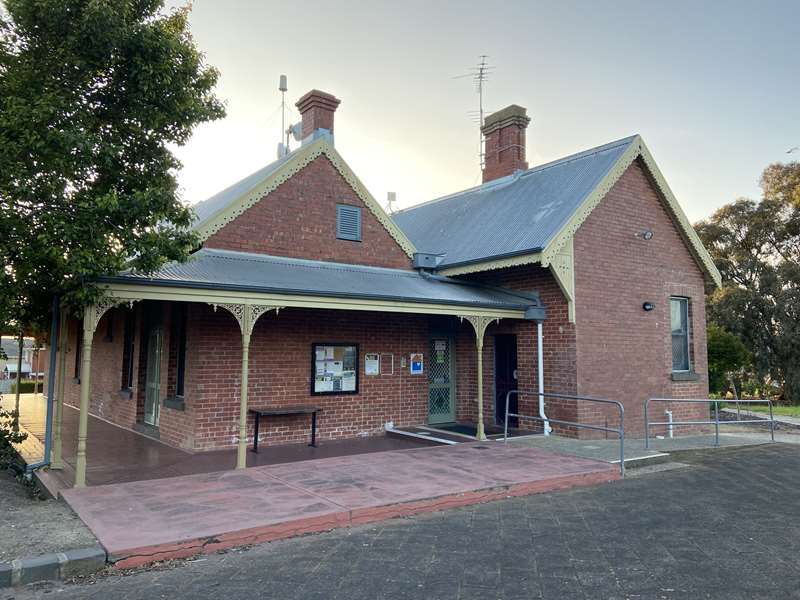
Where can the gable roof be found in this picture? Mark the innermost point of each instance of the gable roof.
(210, 268)
(222, 208)
(518, 213)
(531, 216)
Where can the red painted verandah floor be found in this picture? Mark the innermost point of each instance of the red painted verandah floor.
(143, 521)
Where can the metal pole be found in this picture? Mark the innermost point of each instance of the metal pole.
(51, 382)
(505, 425)
(716, 423)
(20, 347)
(622, 440)
(771, 421)
(646, 426)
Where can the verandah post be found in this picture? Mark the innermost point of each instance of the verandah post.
(481, 434)
(83, 418)
(241, 450)
(479, 324)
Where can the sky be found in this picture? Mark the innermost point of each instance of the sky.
(713, 87)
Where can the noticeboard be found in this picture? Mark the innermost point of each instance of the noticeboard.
(334, 368)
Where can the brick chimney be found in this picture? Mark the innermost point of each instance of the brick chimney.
(317, 109)
(505, 142)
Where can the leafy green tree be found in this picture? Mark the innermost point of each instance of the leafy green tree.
(727, 355)
(93, 95)
(756, 246)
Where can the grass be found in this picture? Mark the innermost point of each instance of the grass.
(784, 411)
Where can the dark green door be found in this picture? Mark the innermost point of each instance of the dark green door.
(441, 389)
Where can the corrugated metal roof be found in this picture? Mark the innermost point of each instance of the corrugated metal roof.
(207, 208)
(224, 269)
(516, 214)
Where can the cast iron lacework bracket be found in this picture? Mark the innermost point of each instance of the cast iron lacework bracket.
(95, 312)
(247, 314)
(479, 324)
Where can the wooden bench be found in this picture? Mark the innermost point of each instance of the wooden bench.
(282, 411)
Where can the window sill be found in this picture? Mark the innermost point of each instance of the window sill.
(175, 403)
(685, 376)
(126, 394)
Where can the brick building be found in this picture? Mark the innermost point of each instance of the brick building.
(307, 291)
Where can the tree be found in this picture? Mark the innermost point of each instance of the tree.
(92, 95)
(727, 355)
(756, 246)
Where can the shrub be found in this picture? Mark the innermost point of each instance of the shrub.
(9, 434)
(27, 386)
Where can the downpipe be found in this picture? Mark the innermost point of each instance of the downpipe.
(540, 361)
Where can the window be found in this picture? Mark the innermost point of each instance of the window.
(127, 350)
(679, 318)
(348, 222)
(178, 346)
(334, 368)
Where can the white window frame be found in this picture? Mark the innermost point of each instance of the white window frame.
(685, 302)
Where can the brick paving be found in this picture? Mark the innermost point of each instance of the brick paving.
(725, 527)
(181, 516)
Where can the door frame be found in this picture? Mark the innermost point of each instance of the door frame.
(497, 411)
(152, 327)
(451, 342)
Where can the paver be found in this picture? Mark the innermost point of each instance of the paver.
(723, 528)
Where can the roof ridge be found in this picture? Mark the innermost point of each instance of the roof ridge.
(508, 179)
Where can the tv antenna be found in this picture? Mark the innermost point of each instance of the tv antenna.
(391, 198)
(479, 75)
(283, 148)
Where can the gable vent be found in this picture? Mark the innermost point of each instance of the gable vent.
(348, 222)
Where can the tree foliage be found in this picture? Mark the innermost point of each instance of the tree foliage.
(93, 93)
(727, 355)
(756, 246)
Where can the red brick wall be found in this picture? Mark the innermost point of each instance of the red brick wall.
(298, 219)
(280, 374)
(624, 352)
(106, 400)
(558, 348)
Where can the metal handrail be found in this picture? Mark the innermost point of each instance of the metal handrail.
(619, 431)
(716, 422)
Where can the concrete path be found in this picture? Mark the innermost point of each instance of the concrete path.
(637, 455)
(144, 521)
(752, 414)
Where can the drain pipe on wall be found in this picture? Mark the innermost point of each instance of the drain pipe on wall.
(51, 384)
(540, 363)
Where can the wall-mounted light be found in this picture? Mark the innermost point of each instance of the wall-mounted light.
(646, 235)
(648, 306)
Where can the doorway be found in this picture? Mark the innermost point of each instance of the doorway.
(441, 396)
(152, 398)
(505, 377)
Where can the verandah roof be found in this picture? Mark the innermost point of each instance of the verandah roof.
(249, 272)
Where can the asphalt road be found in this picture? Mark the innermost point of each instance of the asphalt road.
(726, 526)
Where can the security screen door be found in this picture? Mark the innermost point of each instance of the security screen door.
(441, 396)
(153, 383)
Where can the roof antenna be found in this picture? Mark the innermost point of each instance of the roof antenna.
(479, 75)
(391, 198)
(283, 149)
